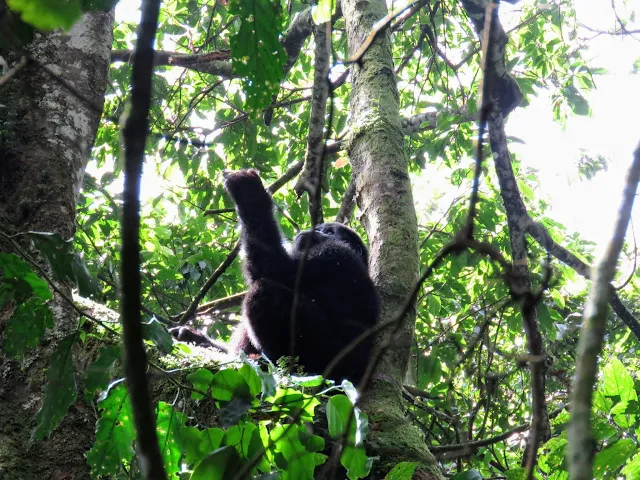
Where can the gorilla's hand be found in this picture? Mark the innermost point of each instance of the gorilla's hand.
(246, 189)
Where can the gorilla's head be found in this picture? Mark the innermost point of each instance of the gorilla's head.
(330, 232)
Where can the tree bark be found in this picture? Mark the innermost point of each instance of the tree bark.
(384, 196)
(49, 116)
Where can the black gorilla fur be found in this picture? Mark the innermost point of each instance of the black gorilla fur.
(336, 300)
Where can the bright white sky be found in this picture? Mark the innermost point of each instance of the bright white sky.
(613, 130)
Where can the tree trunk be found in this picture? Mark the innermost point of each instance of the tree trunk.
(49, 116)
(385, 199)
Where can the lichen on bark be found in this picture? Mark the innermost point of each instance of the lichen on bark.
(385, 200)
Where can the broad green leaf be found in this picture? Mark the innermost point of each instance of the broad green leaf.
(632, 469)
(246, 439)
(222, 464)
(339, 415)
(201, 380)
(296, 461)
(308, 381)
(232, 411)
(168, 425)
(251, 378)
(47, 15)
(60, 390)
(87, 285)
(58, 253)
(115, 433)
(613, 457)
(227, 384)
(355, 460)
(402, 471)
(156, 332)
(26, 327)
(291, 401)
(617, 381)
(100, 371)
(197, 444)
(19, 275)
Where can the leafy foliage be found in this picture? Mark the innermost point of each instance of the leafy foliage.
(115, 434)
(470, 382)
(47, 15)
(257, 53)
(59, 392)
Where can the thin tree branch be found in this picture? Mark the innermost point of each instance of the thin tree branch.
(580, 435)
(312, 175)
(348, 203)
(135, 135)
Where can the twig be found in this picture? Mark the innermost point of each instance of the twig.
(580, 435)
(7, 76)
(468, 448)
(348, 203)
(378, 27)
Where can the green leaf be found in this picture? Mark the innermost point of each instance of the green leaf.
(231, 412)
(632, 469)
(613, 457)
(115, 433)
(48, 15)
(222, 464)
(197, 444)
(60, 390)
(58, 253)
(355, 460)
(338, 412)
(257, 54)
(339, 409)
(87, 285)
(19, 275)
(26, 327)
(100, 371)
(227, 384)
(168, 425)
(402, 471)
(201, 380)
(252, 379)
(296, 461)
(247, 441)
(617, 381)
(579, 105)
(435, 305)
(156, 332)
(557, 298)
(291, 401)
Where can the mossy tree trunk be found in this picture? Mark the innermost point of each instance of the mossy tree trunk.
(384, 196)
(49, 116)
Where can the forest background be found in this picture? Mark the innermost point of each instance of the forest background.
(474, 382)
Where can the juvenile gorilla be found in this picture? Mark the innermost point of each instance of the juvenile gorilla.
(335, 299)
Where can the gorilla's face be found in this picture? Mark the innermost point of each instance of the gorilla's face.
(330, 232)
